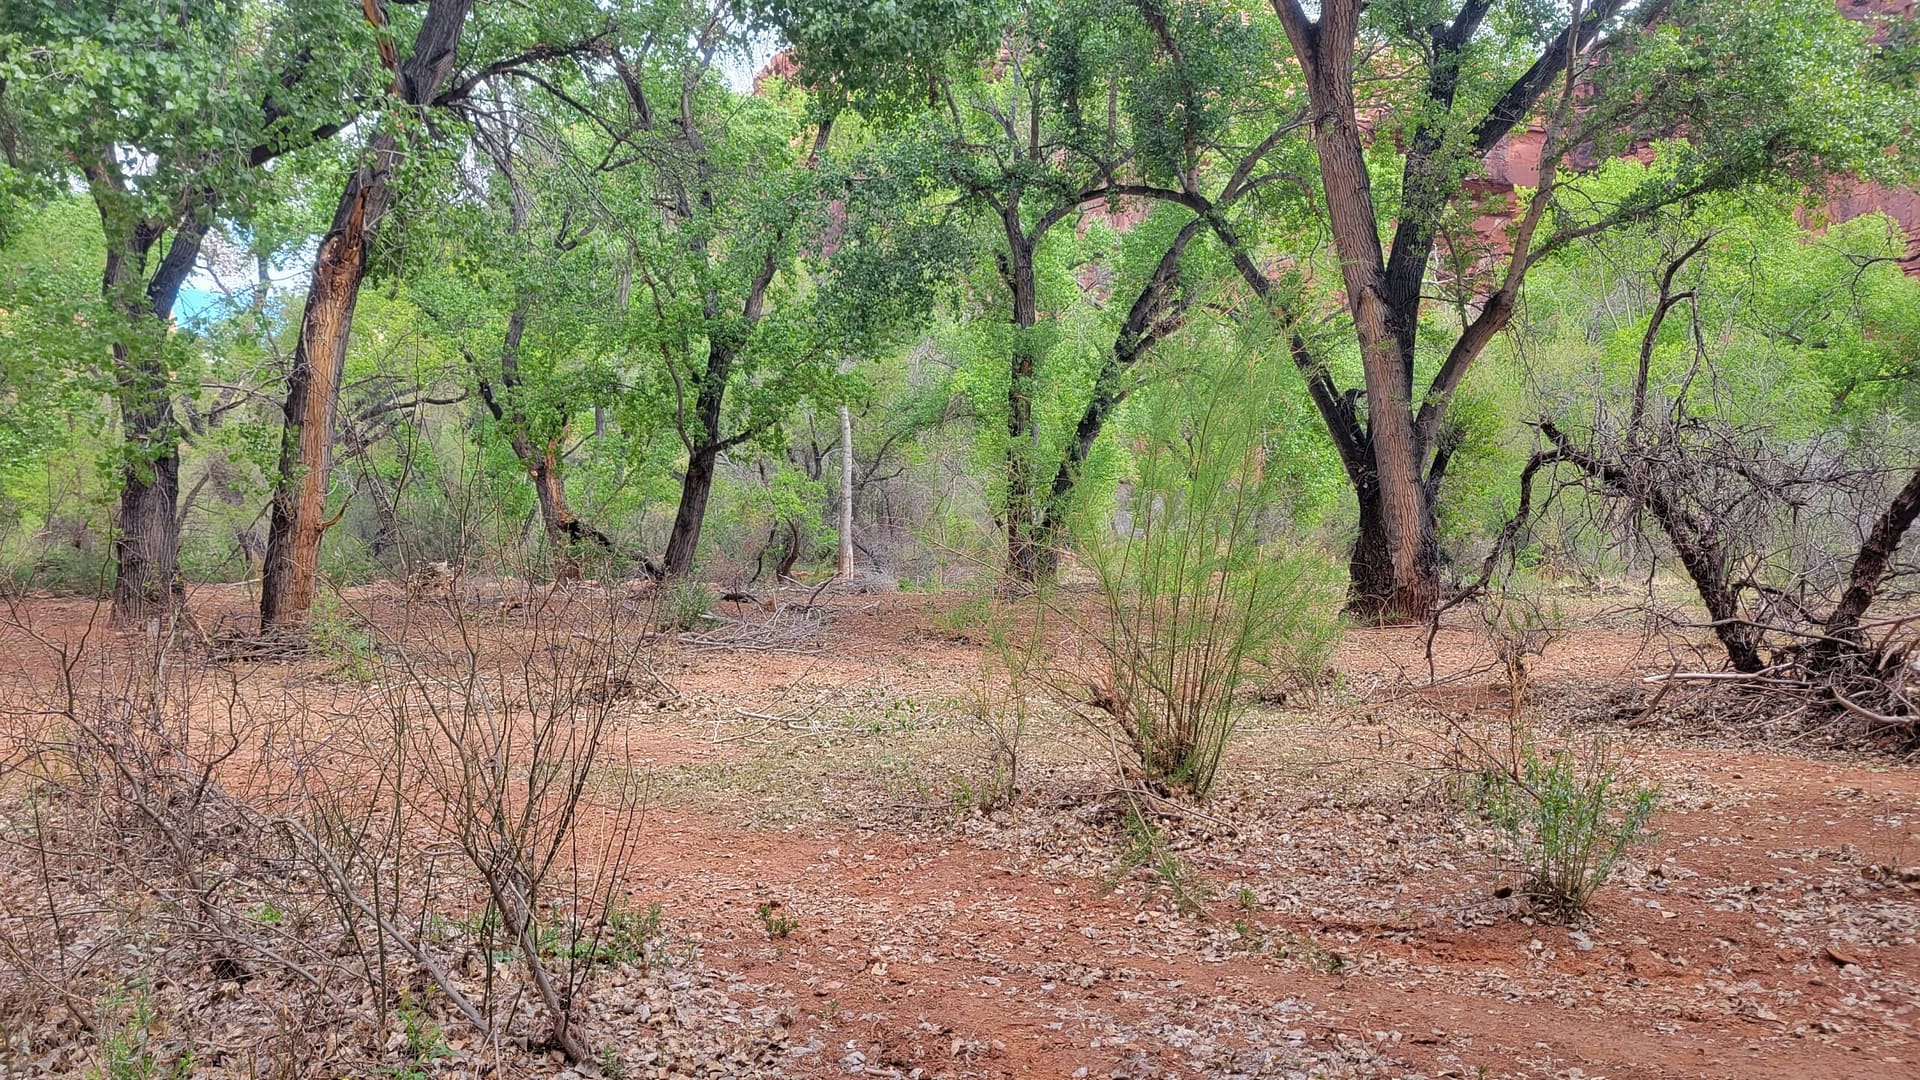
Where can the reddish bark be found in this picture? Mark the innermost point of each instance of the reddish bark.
(290, 574)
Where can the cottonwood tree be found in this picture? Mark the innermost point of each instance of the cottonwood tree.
(759, 259)
(289, 576)
(1752, 91)
(721, 218)
(1212, 130)
(545, 242)
(168, 113)
(425, 78)
(1041, 116)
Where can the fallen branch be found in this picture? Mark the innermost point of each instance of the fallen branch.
(1865, 713)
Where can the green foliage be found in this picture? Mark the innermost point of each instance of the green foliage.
(1777, 90)
(424, 1042)
(1147, 847)
(627, 211)
(684, 604)
(969, 619)
(49, 312)
(336, 635)
(195, 86)
(1566, 822)
(1198, 586)
(884, 54)
(128, 1047)
(775, 920)
(623, 935)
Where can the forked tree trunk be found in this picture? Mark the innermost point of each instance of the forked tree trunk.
(146, 543)
(1384, 294)
(290, 575)
(545, 469)
(1400, 531)
(790, 557)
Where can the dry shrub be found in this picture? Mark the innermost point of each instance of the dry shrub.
(436, 845)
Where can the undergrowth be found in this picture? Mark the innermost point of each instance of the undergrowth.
(1566, 822)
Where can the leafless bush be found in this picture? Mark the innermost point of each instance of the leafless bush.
(450, 831)
(1763, 535)
(1787, 540)
(135, 851)
(491, 758)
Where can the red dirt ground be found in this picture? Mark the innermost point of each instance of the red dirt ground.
(1751, 939)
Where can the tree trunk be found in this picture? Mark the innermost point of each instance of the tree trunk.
(1383, 295)
(289, 578)
(843, 562)
(1693, 541)
(565, 532)
(146, 537)
(1029, 557)
(789, 558)
(146, 541)
(299, 518)
(1869, 569)
(1370, 565)
(1403, 534)
(684, 541)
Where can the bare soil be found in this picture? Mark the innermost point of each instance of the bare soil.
(1351, 917)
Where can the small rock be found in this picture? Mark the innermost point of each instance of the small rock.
(1843, 957)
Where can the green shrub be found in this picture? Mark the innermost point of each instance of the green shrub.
(685, 604)
(1148, 847)
(1202, 584)
(775, 921)
(338, 635)
(1566, 824)
(129, 1050)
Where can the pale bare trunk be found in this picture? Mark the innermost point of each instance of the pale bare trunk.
(844, 564)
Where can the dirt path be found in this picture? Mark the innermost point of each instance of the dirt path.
(1352, 923)
(923, 954)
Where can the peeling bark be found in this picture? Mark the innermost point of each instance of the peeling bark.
(290, 575)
